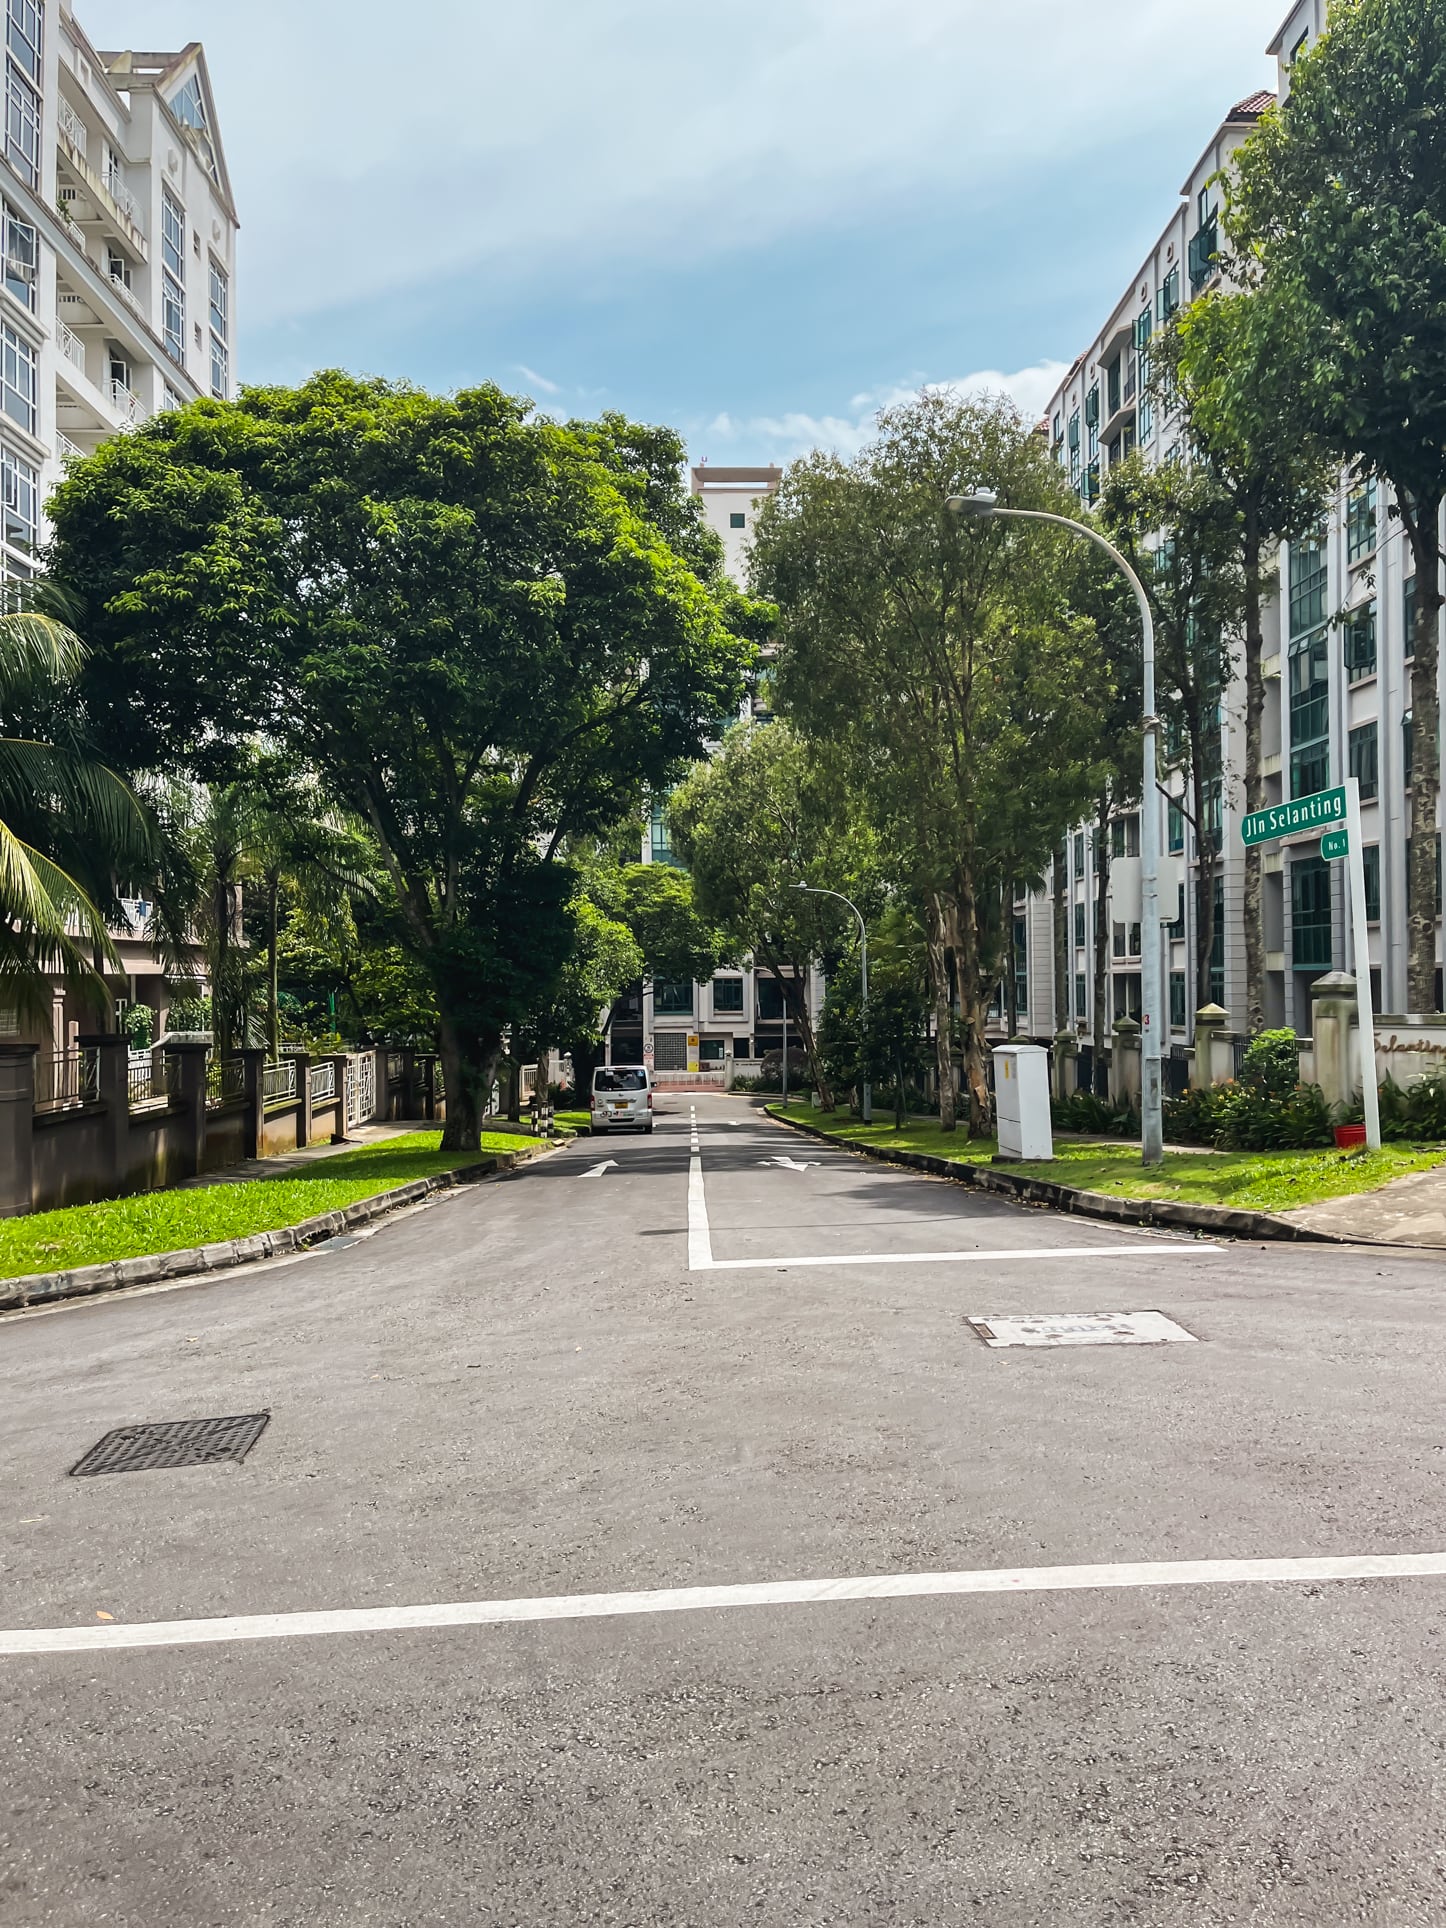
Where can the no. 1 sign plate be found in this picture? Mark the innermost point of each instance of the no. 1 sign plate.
(1335, 844)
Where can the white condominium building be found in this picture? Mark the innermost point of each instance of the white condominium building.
(118, 297)
(1338, 648)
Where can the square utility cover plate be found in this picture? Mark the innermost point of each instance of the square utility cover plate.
(1084, 1329)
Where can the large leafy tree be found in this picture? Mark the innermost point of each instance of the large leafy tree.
(943, 676)
(71, 831)
(1231, 359)
(1339, 208)
(467, 620)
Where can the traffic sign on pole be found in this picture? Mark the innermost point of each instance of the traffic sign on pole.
(1335, 844)
(1319, 812)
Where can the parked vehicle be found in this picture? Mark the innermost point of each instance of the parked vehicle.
(622, 1096)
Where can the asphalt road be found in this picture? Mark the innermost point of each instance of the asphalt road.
(524, 1392)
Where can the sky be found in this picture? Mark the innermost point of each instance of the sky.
(757, 221)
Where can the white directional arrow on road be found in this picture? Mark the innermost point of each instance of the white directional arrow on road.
(608, 1165)
(793, 1164)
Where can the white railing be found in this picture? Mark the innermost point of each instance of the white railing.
(323, 1081)
(71, 345)
(72, 127)
(64, 446)
(278, 1082)
(367, 1094)
(116, 188)
(125, 404)
(146, 1079)
(126, 293)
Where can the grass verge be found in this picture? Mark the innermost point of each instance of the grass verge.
(172, 1221)
(1267, 1181)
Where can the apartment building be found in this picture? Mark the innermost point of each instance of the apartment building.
(118, 293)
(1338, 647)
(737, 1017)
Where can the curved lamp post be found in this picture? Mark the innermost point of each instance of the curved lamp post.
(983, 505)
(867, 1093)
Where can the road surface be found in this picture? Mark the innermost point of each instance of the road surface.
(737, 1362)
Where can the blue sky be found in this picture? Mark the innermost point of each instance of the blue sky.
(756, 221)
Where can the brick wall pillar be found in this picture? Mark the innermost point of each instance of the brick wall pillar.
(186, 1081)
(17, 1128)
(302, 1061)
(113, 1057)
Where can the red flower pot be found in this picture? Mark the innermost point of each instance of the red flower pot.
(1350, 1137)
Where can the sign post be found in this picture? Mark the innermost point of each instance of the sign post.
(1337, 814)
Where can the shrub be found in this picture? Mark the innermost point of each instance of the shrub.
(1272, 1064)
(1083, 1111)
(1248, 1117)
(140, 1026)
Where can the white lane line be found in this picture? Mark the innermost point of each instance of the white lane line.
(1144, 1249)
(776, 1593)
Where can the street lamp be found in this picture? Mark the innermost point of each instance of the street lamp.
(868, 1094)
(984, 505)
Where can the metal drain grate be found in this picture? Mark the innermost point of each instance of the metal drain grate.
(171, 1443)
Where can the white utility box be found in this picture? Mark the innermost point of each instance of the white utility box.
(1021, 1101)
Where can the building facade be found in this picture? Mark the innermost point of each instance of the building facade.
(1337, 665)
(118, 298)
(737, 1018)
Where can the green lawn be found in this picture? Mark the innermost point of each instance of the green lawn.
(1251, 1181)
(572, 1120)
(127, 1228)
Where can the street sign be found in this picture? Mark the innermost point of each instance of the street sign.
(1319, 812)
(1335, 844)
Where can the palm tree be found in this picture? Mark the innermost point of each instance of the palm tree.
(70, 829)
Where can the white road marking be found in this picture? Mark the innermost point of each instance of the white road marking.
(1144, 1249)
(775, 1593)
(608, 1165)
(793, 1164)
(1084, 1329)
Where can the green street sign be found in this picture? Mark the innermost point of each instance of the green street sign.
(1319, 812)
(1334, 844)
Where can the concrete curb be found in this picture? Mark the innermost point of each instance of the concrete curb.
(1164, 1214)
(45, 1288)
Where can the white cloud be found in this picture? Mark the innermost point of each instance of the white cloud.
(374, 156)
(766, 438)
(531, 376)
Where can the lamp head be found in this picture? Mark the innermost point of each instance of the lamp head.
(976, 504)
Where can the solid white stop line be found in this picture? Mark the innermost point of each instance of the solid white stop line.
(775, 1593)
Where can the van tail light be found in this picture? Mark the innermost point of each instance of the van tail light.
(650, 1101)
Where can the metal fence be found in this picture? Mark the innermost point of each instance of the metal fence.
(396, 1069)
(64, 1080)
(1177, 1070)
(146, 1080)
(225, 1081)
(323, 1082)
(278, 1082)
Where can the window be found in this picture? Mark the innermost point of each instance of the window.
(1129, 1001)
(1079, 926)
(1074, 430)
(171, 402)
(1360, 647)
(1310, 914)
(1408, 617)
(1125, 836)
(1169, 294)
(737, 520)
(1307, 585)
(220, 369)
(1079, 856)
(173, 275)
(1092, 407)
(727, 996)
(1361, 522)
(22, 35)
(1213, 802)
(220, 303)
(1217, 942)
(1057, 428)
(22, 126)
(1408, 747)
(660, 841)
(17, 378)
(20, 498)
(1112, 386)
(1081, 996)
(1309, 716)
(1021, 965)
(770, 998)
(187, 106)
(1176, 930)
(1365, 760)
(22, 256)
(1176, 828)
(1371, 857)
(672, 997)
(1127, 940)
(1177, 1000)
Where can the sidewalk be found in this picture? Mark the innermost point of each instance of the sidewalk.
(1408, 1211)
(290, 1162)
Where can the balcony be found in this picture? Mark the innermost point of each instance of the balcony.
(72, 128)
(126, 404)
(89, 196)
(121, 195)
(71, 345)
(1203, 262)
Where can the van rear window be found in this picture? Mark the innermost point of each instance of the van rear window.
(623, 1079)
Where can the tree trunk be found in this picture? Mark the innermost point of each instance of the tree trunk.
(273, 969)
(796, 1005)
(1102, 939)
(1063, 1012)
(976, 984)
(1204, 874)
(1254, 909)
(1011, 967)
(937, 950)
(467, 1065)
(1422, 521)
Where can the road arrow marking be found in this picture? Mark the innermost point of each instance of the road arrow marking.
(608, 1165)
(792, 1164)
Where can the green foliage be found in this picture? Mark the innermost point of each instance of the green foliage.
(658, 904)
(139, 1025)
(1249, 1117)
(467, 619)
(190, 1013)
(1083, 1112)
(1272, 1064)
(1415, 1114)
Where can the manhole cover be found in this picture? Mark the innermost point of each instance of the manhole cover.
(1084, 1329)
(171, 1443)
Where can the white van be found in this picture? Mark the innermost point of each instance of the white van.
(622, 1094)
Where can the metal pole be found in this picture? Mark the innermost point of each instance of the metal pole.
(783, 997)
(868, 1093)
(1152, 1124)
(1361, 942)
